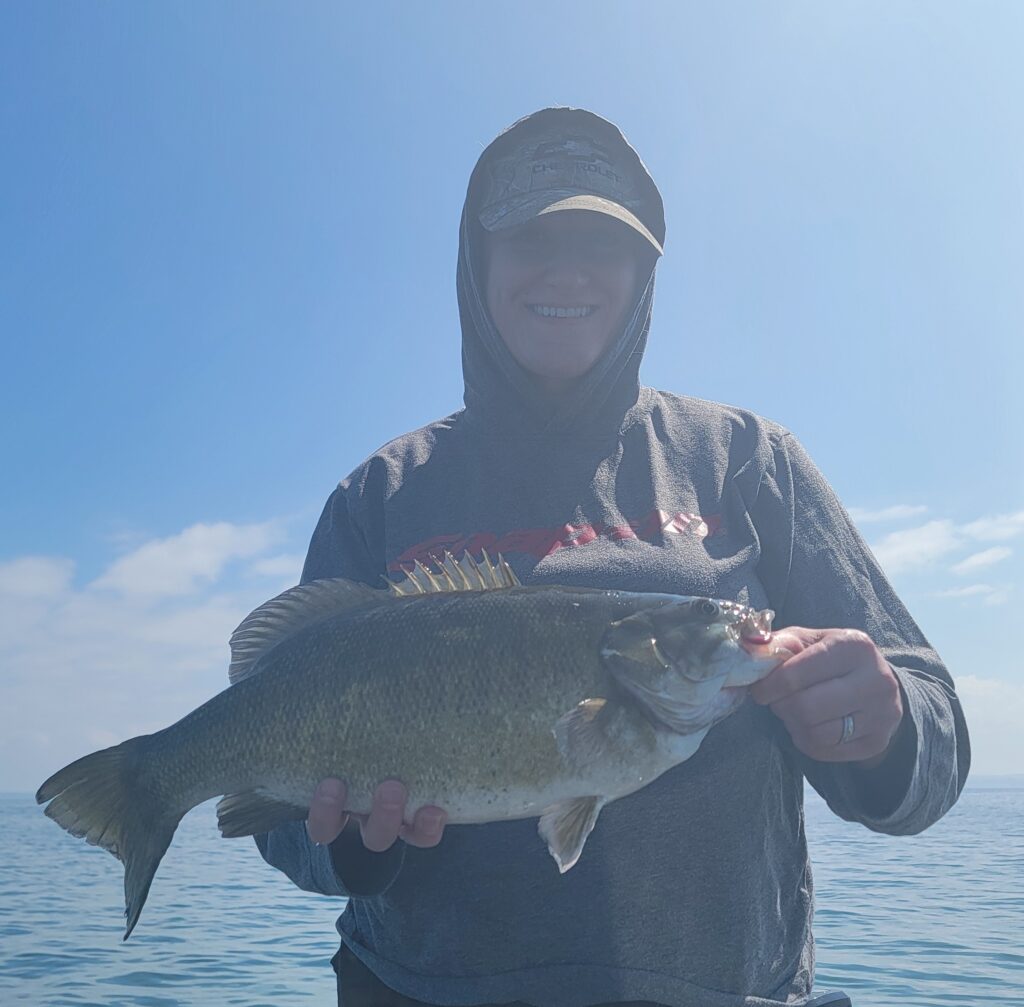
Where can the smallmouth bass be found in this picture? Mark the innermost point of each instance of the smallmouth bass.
(492, 700)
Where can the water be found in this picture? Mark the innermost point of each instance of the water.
(935, 920)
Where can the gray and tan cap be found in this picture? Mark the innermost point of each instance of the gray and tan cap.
(561, 169)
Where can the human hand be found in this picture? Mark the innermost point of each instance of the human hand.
(382, 826)
(833, 673)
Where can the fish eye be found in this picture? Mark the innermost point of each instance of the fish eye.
(706, 608)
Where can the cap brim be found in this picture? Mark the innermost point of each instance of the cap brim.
(552, 201)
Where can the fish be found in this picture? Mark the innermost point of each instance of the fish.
(490, 699)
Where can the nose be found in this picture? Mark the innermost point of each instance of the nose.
(566, 267)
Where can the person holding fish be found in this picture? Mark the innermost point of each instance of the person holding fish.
(694, 891)
(699, 629)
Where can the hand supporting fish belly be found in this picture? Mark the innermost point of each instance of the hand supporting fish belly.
(557, 700)
(383, 826)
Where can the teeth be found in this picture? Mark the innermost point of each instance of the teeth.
(548, 312)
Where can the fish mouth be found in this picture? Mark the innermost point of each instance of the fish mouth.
(755, 645)
(756, 627)
(750, 627)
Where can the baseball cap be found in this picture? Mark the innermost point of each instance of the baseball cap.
(561, 169)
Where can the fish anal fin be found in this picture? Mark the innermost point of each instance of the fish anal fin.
(252, 811)
(565, 827)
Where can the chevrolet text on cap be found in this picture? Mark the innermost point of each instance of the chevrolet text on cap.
(559, 171)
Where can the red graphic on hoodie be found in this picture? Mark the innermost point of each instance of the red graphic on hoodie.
(542, 542)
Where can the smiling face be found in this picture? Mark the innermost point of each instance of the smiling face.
(559, 288)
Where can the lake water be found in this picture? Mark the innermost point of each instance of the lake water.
(935, 920)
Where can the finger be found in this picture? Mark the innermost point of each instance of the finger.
(828, 735)
(836, 653)
(874, 725)
(382, 826)
(427, 827)
(869, 693)
(821, 703)
(327, 816)
(856, 750)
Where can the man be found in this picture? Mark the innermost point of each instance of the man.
(695, 891)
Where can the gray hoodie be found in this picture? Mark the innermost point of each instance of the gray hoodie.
(695, 891)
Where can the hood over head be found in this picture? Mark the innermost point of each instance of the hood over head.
(555, 159)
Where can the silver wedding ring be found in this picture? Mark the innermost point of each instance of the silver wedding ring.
(847, 734)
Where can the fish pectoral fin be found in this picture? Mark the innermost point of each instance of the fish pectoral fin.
(565, 827)
(252, 812)
(580, 733)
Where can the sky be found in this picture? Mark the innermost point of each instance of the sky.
(229, 275)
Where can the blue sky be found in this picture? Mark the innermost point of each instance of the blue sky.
(229, 275)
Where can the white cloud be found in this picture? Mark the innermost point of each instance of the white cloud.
(179, 565)
(996, 528)
(35, 577)
(966, 592)
(30, 589)
(97, 665)
(286, 566)
(125, 539)
(916, 547)
(984, 592)
(921, 547)
(994, 709)
(980, 560)
(82, 667)
(895, 513)
(999, 596)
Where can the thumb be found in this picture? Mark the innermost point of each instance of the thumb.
(796, 638)
(792, 640)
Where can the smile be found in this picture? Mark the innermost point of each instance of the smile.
(549, 311)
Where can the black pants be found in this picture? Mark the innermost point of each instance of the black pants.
(359, 987)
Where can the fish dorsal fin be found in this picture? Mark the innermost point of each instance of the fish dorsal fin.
(289, 612)
(453, 574)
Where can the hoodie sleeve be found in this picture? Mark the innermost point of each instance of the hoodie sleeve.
(819, 573)
(344, 867)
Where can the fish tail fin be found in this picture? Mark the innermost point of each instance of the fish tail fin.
(98, 798)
